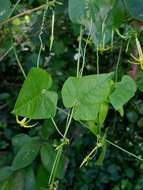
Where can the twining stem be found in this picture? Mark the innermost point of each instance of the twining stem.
(109, 142)
(18, 62)
(59, 152)
(55, 125)
(92, 153)
(79, 51)
(41, 32)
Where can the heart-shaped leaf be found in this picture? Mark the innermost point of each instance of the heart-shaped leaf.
(86, 94)
(35, 101)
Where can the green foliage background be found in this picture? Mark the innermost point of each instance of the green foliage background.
(119, 170)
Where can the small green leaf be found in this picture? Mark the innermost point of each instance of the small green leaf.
(34, 100)
(26, 154)
(48, 155)
(5, 9)
(86, 94)
(123, 92)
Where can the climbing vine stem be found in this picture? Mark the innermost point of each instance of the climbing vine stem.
(18, 62)
(108, 141)
(59, 150)
(41, 32)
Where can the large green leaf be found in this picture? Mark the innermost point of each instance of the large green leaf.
(86, 94)
(34, 100)
(48, 155)
(5, 9)
(123, 92)
(26, 154)
(135, 8)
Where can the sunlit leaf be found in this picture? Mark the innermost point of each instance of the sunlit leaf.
(35, 101)
(86, 94)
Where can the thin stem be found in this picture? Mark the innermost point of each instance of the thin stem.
(6, 53)
(54, 165)
(92, 153)
(69, 122)
(109, 142)
(18, 62)
(84, 51)
(14, 8)
(117, 66)
(97, 60)
(79, 51)
(58, 156)
(112, 38)
(52, 30)
(129, 153)
(39, 55)
(57, 127)
(120, 35)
